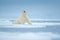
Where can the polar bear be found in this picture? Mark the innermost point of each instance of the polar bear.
(23, 19)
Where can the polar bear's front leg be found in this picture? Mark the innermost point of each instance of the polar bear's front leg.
(28, 21)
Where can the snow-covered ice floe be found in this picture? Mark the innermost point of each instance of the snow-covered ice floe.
(10, 24)
(28, 36)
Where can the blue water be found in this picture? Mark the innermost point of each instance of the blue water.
(53, 29)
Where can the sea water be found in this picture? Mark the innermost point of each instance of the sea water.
(36, 31)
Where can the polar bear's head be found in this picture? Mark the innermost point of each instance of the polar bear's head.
(24, 13)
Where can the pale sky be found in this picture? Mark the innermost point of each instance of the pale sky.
(41, 9)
